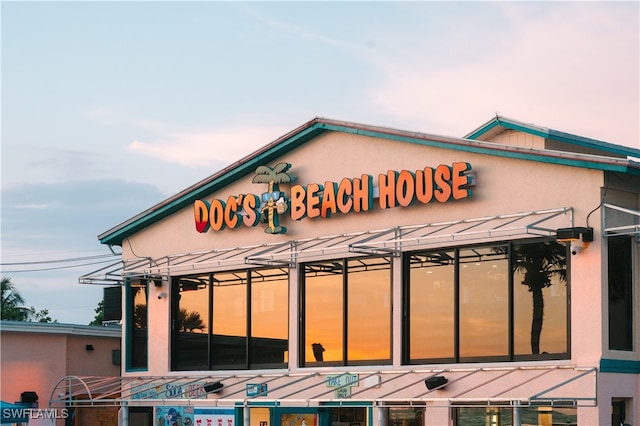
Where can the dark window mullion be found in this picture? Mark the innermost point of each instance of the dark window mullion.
(406, 310)
(456, 307)
(302, 332)
(210, 320)
(248, 319)
(511, 297)
(345, 313)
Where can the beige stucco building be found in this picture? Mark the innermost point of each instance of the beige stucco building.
(354, 275)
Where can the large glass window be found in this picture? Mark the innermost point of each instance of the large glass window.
(191, 323)
(269, 317)
(620, 266)
(347, 311)
(324, 312)
(499, 302)
(432, 305)
(229, 324)
(483, 302)
(540, 300)
(137, 327)
(231, 320)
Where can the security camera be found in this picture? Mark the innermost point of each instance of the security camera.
(162, 295)
(577, 246)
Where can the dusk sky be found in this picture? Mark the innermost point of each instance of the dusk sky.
(111, 107)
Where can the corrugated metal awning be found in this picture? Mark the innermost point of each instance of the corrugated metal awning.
(390, 241)
(508, 386)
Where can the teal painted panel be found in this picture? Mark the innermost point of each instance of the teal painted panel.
(619, 366)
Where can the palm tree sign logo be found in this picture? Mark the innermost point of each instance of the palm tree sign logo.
(274, 201)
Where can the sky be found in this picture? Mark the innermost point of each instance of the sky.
(110, 107)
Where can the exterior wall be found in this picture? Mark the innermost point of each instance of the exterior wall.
(36, 356)
(616, 385)
(81, 362)
(515, 138)
(28, 365)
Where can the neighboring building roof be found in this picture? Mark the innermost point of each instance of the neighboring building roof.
(57, 328)
(499, 124)
(317, 126)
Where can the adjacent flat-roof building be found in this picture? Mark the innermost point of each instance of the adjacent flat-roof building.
(35, 356)
(355, 275)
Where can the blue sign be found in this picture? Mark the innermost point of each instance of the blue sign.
(257, 389)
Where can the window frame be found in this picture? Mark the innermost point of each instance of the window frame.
(129, 330)
(627, 290)
(510, 356)
(302, 349)
(248, 343)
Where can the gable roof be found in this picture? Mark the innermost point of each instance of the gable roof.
(500, 123)
(317, 126)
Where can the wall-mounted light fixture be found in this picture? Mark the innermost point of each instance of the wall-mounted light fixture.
(28, 397)
(88, 348)
(578, 237)
(436, 382)
(157, 282)
(213, 387)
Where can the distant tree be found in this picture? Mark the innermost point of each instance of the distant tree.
(40, 316)
(11, 307)
(99, 314)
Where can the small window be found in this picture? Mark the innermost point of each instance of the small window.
(620, 293)
(137, 329)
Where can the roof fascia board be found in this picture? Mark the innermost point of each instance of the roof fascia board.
(495, 150)
(493, 123)
(592, 143)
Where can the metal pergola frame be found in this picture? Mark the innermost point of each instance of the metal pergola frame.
(377, 387)
(628, 214)
(390, 241)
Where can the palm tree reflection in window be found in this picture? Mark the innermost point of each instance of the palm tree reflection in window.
(539, 263)
(140, 316)
(189, 321)
(139, 307)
